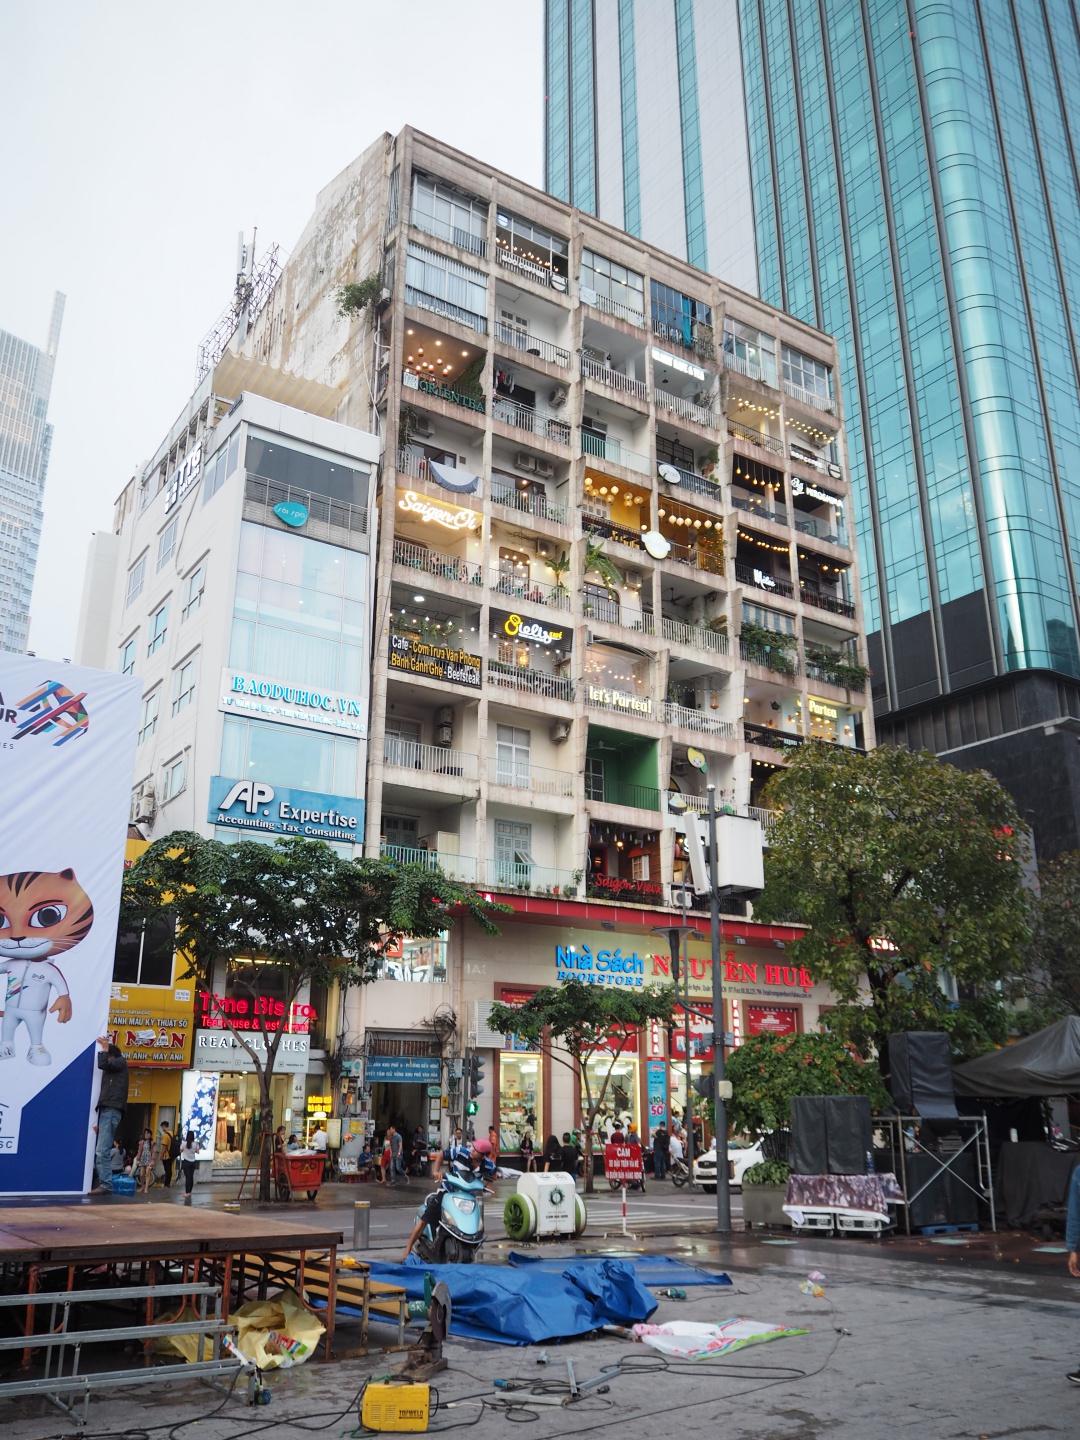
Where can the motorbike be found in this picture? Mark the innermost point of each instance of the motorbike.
(680, 1173)
(460, 1231)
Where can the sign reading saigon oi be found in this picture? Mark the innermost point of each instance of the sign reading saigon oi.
(308, 708)
(277, 810)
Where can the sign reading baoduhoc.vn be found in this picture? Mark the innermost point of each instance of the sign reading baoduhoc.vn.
(305, 706)
(67, 746)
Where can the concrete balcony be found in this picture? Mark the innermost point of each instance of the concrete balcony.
(758, 438)
(809, 398)
(614, 452)
(437, 565)
(430, 767)
(530, 682)
(703, 722)
(624, 793)
(698, 637)
(538, 592)
(526, 879)
(692, 483)
(509, 337)
(433, 390)
(764, 375)
(614, 380)
(762, 580)
(535, 779)
(456, 867)
(686, 409)
(533, 422)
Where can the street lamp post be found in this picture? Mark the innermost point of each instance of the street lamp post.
(723, 1192)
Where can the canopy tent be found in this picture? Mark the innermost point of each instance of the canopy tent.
(1044, 1064)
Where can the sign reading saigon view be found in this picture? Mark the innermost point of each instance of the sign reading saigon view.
(440, 662)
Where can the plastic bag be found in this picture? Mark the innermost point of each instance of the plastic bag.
(692, 1340)
(277, 1333)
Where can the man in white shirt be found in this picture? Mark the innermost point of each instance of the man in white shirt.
(318, 1141)
(675, 1147)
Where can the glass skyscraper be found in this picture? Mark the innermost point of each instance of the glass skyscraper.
(25, 439)
(908, 175)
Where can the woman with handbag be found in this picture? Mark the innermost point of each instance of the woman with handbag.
(145, 1159)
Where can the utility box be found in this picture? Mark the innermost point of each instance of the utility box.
(546, 1205)
(740, 868)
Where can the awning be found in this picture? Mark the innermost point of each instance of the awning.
(462, 482)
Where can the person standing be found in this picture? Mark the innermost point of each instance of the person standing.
(145, 1156)
(568, 1154)
(528, 1152)
(552, 1153)
(112, 1101)
(493, 1141)
(660, 1142)
(189, 1154)
(318, 1140)
(279, 1140)
(393, 1141)
(166, 1141)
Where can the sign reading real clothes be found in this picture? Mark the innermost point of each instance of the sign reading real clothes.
(256, 805)
(402, 1070)
(220, 1050)
(67, 746)
(438, 662)
(263, 697)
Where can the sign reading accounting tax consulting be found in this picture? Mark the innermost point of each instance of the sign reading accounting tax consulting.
(440, 662)
(264, 698)
(255, 805)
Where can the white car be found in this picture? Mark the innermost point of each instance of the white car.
(741, 1154)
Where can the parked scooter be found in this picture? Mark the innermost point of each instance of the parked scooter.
(460, 1231)
(680, 1173)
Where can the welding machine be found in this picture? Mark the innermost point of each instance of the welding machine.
(396, 1407)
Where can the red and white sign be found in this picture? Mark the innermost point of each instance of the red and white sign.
(622, 1163)
(701, 1032)
(771, 1020)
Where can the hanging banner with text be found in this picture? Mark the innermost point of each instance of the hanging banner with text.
(67, 747)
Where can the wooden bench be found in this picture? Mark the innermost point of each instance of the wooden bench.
(350, 1286)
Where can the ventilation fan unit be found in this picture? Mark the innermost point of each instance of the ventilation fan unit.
(560, 731)
(444, 715)
(422, 426)
(525, 461)
(146, 803)
(444, 736)
(681, 899)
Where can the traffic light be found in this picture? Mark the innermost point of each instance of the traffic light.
(476, 1076)
(705, 1085)
(471, 1108)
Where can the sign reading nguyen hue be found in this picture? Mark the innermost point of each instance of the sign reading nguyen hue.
(67, 746)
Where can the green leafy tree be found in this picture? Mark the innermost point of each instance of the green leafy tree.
(573, 1023)
(904, 868)
(354, 299)
(1051, 979)
(281, 917)
(601, 565)
(768, 1071)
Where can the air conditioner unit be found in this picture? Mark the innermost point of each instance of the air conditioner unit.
(422, 426)
(525, 461)
(146, 804)
(681, 899)
(383, 300)
(544, 468)
(444, 715)
(560, 731)
(558, 396)
(633, 579)
(589, 637)
(444, 736)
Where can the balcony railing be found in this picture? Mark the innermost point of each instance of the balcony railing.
(703, 721)
(623, 792)
(431, 759)
(751, 370)
(430, 225)
(809, 398)
(773, 657)
(771, 739)
(613, 379)
(410, 463)
(615, 451)
(431, 562)
(762, 580)
(592, 297)
(696, 484)
(521, 417)
(596, 525)
(531, 269)
(686, 409)
(438, 306)
(703, 343)
(456, 867)
(538, 779)
(325, 516)
(533, 879)
(516, 339)
(840, 675)
(699, 636)
(527, 502)
(822, 529)
(533, 682)
(540, 592)
(755, 437)
(410, 381)
(751, 506)
(697, 559)
(765, 818)
(826, 602)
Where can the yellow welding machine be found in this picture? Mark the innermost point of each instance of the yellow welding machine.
(396, 1407)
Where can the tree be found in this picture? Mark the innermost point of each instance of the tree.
(903, 867)
(281, 917)
(1051, 982)
(766, 1071)
(585, 1021)
(601, 565)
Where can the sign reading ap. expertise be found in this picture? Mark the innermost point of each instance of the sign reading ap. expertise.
(67, 746)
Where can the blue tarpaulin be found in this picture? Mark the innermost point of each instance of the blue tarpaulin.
(648, 1269)
(524, 1307)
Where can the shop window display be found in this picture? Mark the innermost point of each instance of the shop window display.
(415, 961)
(519, 1099)
(621, 1099)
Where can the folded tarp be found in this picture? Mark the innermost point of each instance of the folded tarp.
(525, 1307)
(648, 1269)
(1046, 1063)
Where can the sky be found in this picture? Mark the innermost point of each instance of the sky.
(142, 138)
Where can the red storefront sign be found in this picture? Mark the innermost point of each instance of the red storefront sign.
(701, 1032)
(771, 1020)
(741, 972)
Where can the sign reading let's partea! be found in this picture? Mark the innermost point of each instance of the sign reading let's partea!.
(308, 707)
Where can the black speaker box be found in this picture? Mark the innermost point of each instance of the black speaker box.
(809, 1143)
(932, 1206)
(849, 1133)
(921, 1074)
(962, 1204)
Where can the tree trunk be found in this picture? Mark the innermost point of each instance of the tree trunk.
(590, 1187)
(266, 1134)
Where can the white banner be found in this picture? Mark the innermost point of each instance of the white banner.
(67, 744)
(221, 1050)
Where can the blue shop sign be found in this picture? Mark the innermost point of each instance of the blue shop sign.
(291, 512)
(277, 810)
(403, 1070)
(605, 967)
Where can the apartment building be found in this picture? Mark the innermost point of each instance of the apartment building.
(615, 560)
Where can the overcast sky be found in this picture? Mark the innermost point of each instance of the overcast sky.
(141, 138)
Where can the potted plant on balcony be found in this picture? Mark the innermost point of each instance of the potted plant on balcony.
(765, 1073)
(709, 464)
(776, 647)
(601, 565)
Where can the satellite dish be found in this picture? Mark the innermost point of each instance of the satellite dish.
(669, 473)
(696, 758)
(658, 546)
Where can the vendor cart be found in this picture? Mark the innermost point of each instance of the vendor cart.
(297, 1172)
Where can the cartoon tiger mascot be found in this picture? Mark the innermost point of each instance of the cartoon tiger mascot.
(42, 913)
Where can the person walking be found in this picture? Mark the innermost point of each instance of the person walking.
(493, 1141)
(675, 1147)
(189, 1154)
(393, 1141)
(552, 1153)
(145, 1157)
(528, 1152)
(169, 1149)
(112, 1101)
(660, 1143)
